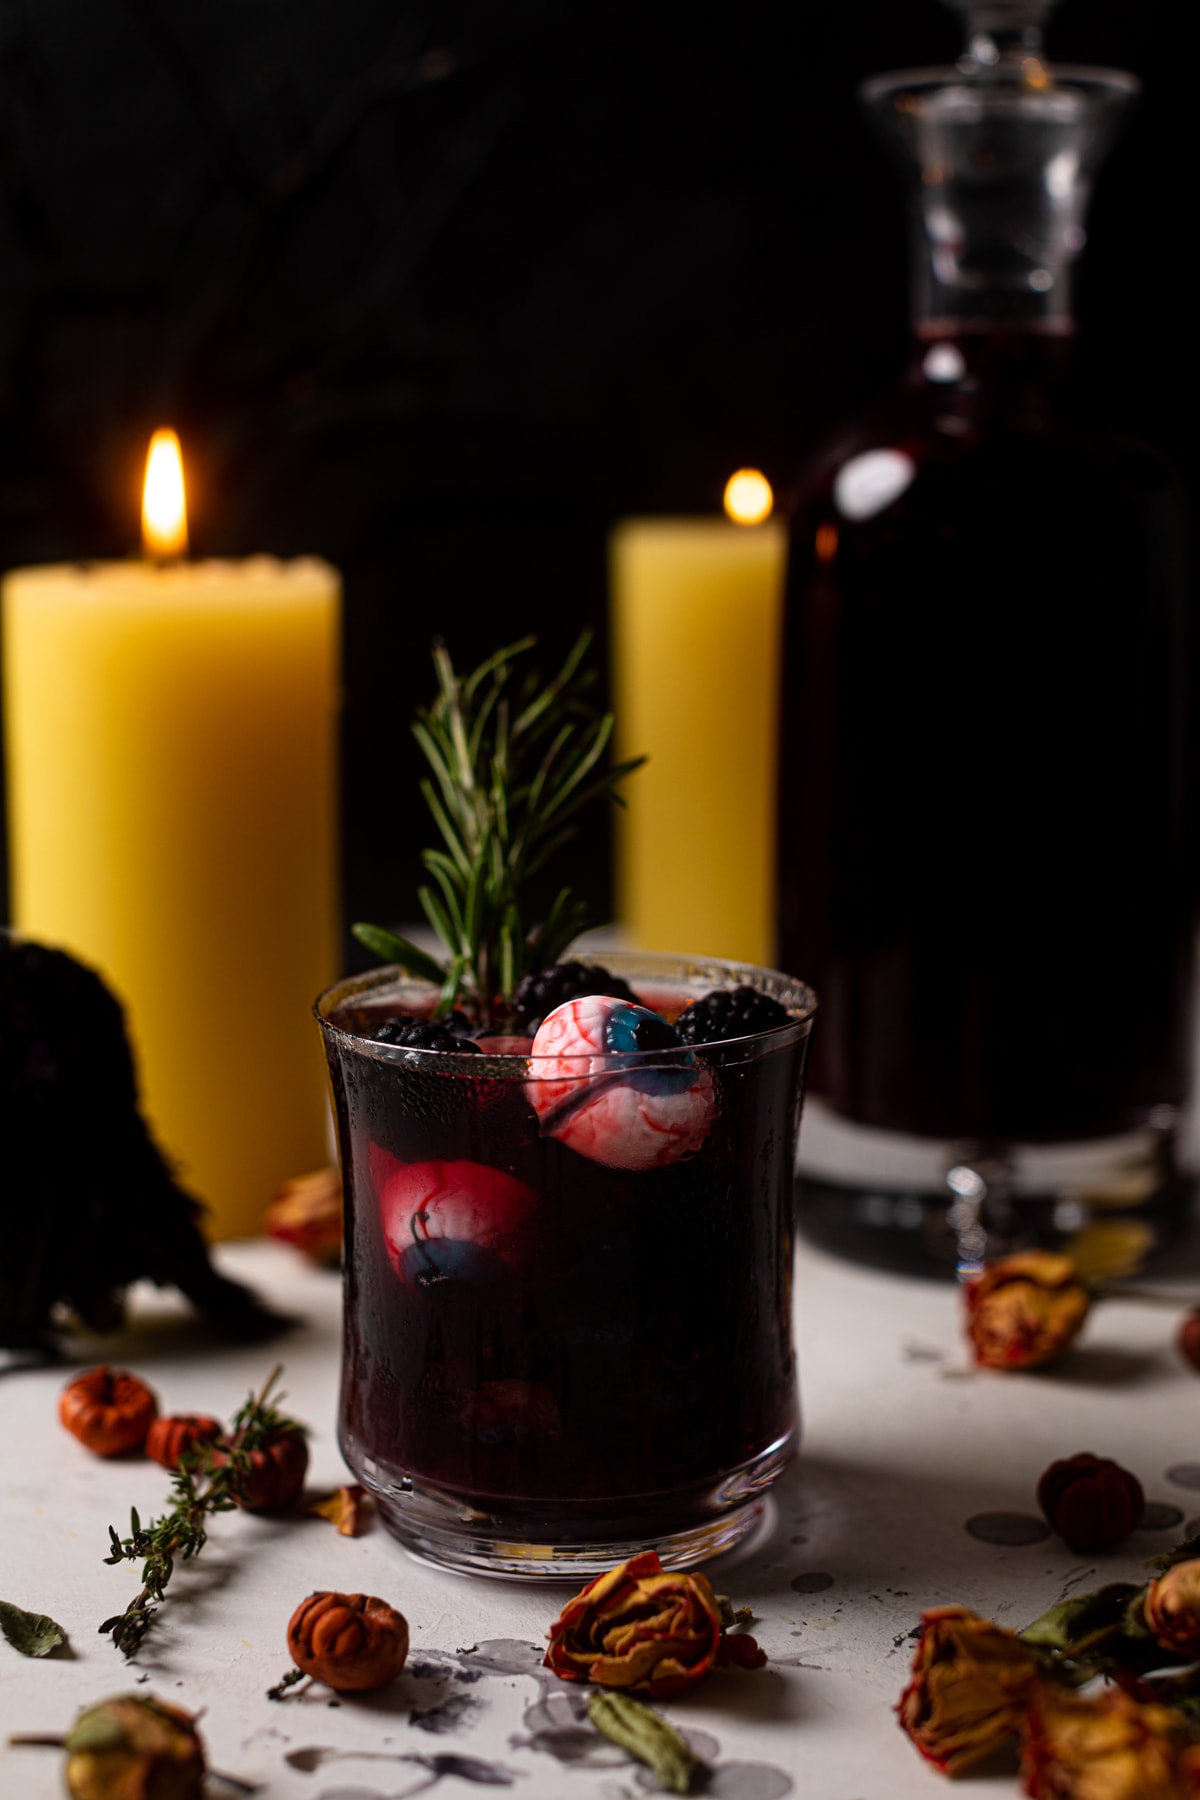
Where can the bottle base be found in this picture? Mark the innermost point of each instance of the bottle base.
(909, 1232)
(928, 1207)
(572, 1540)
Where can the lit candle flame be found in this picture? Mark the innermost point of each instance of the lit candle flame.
(748, 497)
(164, 508)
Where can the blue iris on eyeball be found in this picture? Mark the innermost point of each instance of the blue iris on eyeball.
(433, 1261)
(636, 1030)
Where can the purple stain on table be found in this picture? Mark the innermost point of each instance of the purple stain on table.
(438, 1768)
(558, 1726)
(733, 1781)
(504, 1656)
(439, 1665)
(748, 1781)
(1160, 1516)
(1010, 1529)
(1184, 1475)
(812, 1581)
(449, 1715)
(462, 1768)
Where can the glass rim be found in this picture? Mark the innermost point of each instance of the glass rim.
(650, 965)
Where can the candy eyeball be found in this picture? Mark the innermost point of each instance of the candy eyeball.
(444, 1220)
(630, 1117)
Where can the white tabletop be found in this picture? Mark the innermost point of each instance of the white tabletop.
(903, 1444)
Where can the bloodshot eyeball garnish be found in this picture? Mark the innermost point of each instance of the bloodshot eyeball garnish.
(637, 1116)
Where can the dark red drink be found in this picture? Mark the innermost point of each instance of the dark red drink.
(553, 1360)
(987, 842)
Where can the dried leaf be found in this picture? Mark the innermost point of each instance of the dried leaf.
(1111, 1250)
(646, 1735)
(347, 1508)
(33, 1634)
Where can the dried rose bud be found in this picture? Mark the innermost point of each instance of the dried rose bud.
(1189, 1337)
(1091, 1501)
(275, 1473)
(134, 1746)
(1105, 1746)
(351, 1642)
(644, 1629)
(1172, 1608)
(1025, 1310)
(307, 1212)
(108, 1410)
(970, 1686)
(170, 1438)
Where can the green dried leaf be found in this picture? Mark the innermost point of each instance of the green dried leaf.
(33, 1634)
(1081, 1626)
(1182, 1552)
(646, 1735)
(96, 1730)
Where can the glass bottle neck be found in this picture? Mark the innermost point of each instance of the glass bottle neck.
(1005, 159)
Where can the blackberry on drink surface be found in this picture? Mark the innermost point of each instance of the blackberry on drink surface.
(408, 1033)
(729, 1013)
(538, 994)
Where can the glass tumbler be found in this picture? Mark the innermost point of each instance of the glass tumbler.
(568, 1320)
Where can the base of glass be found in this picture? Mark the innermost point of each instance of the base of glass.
(572, 1540)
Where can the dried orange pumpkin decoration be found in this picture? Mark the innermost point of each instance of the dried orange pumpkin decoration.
(274, 1473)
(170, 1438)
(351, 1642)
(108, 1410)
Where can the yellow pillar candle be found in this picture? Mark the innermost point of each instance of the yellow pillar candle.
(170, 737)
(696, 607)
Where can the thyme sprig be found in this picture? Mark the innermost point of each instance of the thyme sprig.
(512, 764)
(200, 1488)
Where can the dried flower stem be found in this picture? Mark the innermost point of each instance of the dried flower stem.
(287, 1681)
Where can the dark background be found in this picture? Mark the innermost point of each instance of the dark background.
(441, 291)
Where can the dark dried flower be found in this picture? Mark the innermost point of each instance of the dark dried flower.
(970, 1688)
(351, 1642)
(1025, 1310)
(644, 1629)
(1091, 1501)
(271, 1475)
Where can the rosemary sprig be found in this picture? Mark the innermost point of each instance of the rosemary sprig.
(200, 1487)
(512, 764)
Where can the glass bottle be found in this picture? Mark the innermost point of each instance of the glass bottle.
(986, 762)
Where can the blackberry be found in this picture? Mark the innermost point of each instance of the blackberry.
(729, 1013)
(539, 994)
(407, 1033)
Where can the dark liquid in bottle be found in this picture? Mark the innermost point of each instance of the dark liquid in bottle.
(984, 835)
(624, 1347)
